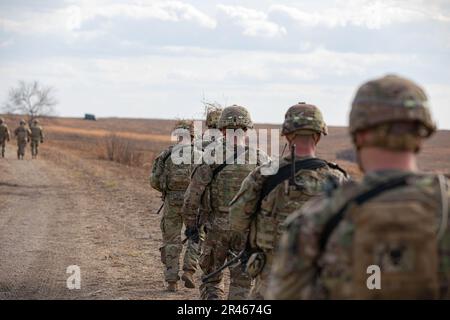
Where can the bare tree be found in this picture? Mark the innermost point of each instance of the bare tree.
(31, 98)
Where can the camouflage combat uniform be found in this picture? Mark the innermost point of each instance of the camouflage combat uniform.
(210, 194)
(265, 217)
(393, 220)
(4, 136)
(23, 134)
(37, 136)
(172, 180)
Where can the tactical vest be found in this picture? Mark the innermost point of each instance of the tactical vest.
(36, 132)
(282, 201)
(22, 134)
(225, 185)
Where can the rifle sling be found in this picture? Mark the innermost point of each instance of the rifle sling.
(284, 173)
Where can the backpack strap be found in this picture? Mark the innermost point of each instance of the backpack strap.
(335, 166)
(284, 173)
(166, 156)
(334, 221)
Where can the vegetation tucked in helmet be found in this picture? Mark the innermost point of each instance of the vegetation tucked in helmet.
(22, 122)
(213, 114)
(395, 110)
(185, 124)
(235, 117)
(304, 118)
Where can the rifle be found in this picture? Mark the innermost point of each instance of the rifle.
(160, 208)
(226, 265)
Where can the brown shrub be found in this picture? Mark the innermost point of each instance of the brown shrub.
(121, 150)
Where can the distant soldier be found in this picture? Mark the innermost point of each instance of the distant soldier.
(22, 134)
(387, 237)
(264, 202)
(4, 135)
(172, 180)
(37, 136)
(206, 203)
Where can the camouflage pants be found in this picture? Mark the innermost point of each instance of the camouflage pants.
(34, 147)
(171, 227)
(3, 145)
(21, 145)
(216, 251)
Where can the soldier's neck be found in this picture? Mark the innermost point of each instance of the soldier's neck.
(303, 151)
(377, 159)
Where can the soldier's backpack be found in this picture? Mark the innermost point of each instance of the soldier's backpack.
(36, 132)
(395, 232)
(22, 134)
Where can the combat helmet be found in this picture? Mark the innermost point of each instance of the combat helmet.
(213, 114)
(392, 100)
(235, 117)
(185, 124)
(1, 120)
(304, 118)
(22, 122)
(35, 121)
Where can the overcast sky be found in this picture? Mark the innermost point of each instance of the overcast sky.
(162, 58)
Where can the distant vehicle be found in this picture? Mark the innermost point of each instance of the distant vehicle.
(88, 116)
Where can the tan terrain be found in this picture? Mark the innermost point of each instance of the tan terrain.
(74, 207)
(59, 211)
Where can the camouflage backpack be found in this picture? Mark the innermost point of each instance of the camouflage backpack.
(36, 132)
(395, 231)
(22, 134)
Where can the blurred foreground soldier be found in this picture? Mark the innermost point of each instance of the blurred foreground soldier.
(22, 134)
(172, 180)
(37, 136)
(264, 202)
(4, 135)
(206, 203)
(386, 237)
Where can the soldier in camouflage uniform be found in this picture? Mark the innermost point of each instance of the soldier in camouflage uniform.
(263, 209)
(172, 180)
(37, 136)
(211, 189)
(22, 134)
(4, 135)
(387, 237)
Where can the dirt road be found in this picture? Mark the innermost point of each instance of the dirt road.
(61, 210)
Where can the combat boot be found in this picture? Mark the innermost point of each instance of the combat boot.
(172, 286)
(188, 279)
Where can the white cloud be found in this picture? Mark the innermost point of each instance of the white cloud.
(372, 14)
(72, 18)
(254, 23)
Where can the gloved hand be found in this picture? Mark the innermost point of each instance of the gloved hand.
(236, 241)
(192, 234)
